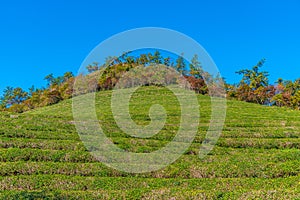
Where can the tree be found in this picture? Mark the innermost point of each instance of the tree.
(279, 81)
(13, 96)
(150, 58)
(157, 58)
(167, 61)
(195, 67)
(57, 80)
(253, 77)
(123, 57)
(143, 59)
(50, 96)
(111, 60)
(296, 86)
(7, 95)
(31, 90)
(197, 84)
(49, 78)
(67, 76)
(92, 68)
(19, 95)
(254, 85)
(180, 65)
(295, 100)
(279, 86)
(130, 60)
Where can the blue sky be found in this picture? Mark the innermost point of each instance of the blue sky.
(42, 37)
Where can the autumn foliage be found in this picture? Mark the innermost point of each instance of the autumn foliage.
(124, 71)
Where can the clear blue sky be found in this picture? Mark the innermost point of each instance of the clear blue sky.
(51, 36)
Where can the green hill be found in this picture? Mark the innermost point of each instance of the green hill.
(257, 156)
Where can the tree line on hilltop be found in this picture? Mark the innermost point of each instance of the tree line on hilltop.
(253, 87)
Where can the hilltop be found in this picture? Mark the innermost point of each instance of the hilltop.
(154, 69)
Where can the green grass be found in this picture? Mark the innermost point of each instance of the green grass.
(257, 156)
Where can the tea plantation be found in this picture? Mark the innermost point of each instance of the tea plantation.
(256, 157)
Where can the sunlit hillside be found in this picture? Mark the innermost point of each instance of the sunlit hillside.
(257, 155)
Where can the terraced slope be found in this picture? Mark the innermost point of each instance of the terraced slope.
(257, 156)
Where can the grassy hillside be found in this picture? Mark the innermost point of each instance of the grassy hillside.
(257, 156)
